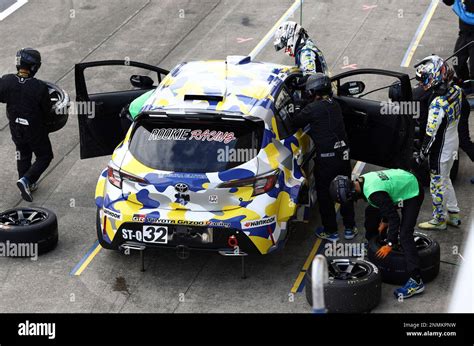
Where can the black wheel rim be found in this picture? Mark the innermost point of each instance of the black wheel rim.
(22, 217)
(422, 242)
(347, 269)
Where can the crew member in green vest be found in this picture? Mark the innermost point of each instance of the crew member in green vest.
(385, 192)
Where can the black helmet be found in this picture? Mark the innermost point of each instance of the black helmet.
(29, 59)
(318, 83)
(342, 189)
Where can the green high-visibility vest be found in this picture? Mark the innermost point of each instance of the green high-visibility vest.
(399, 184)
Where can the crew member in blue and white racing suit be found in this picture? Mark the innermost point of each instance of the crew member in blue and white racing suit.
(441, 141)
(291, 36)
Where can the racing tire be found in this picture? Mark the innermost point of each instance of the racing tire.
(393, 267)
(30, 225)
(59, 114)
(356, 291)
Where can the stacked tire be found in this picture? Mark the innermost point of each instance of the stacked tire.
(29, 226)
(355, 286)
(393, 267)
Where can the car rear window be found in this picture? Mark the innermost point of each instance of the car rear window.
(195, 146)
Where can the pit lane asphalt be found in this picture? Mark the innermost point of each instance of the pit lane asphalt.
(155, 32)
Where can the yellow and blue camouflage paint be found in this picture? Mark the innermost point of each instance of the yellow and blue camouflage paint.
(249, 89)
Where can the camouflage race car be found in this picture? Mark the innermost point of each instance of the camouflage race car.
(211, 160)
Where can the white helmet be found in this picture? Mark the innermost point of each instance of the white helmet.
(287, 36)
(432, 71)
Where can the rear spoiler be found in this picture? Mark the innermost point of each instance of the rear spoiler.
(194, 114)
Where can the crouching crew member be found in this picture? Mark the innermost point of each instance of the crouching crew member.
(385, 192)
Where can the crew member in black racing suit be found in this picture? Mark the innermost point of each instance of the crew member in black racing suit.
(466, 34)
(28, 110)
(324, 116)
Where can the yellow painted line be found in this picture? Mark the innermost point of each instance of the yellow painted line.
(306, 265)
(264, 41)
(419, 33)
(298, 282)
(86, 260)
(312, 254)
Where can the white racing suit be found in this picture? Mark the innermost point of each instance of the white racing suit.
(310, 59)
(442, 143)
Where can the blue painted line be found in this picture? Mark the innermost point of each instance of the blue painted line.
(76, 268)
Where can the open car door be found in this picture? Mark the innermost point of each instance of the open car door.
(380, 130)
(103, 88)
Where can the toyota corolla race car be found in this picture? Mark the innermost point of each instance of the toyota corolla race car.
(211, 160)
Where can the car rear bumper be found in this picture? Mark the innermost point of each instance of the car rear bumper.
(193, 230)
(190, 237)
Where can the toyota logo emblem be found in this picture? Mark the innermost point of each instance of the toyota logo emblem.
(181, 187)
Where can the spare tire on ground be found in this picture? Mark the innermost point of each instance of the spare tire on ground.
(354, 286)
(393, 267)
(29, 226)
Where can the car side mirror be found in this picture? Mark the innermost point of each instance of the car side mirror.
(142, 82)
(351, 88)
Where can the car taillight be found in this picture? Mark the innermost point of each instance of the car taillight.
(132, 178)
(260, 184)
(264, 184)
(116, 177)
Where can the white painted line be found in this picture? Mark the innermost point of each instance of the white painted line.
(12, 9)
(258, 48)
(415, 42)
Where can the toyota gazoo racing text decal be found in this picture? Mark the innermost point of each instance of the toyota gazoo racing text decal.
(142, 218)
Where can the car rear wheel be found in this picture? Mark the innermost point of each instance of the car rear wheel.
(29, 226)
(354, 286)
(393, 267)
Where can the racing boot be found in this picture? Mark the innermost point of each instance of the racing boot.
(323, 234)
(454, 219)
(33, 187)
(433, 225)
(410, 289)
(24, 186)
(350, 233)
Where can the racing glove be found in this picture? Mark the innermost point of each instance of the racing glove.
(419, 158)
(382, 226)
(384, 251)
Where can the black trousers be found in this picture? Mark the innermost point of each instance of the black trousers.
(465, 142)
(326, 169)
(29, 142)
(463, 70)
(410, 210)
